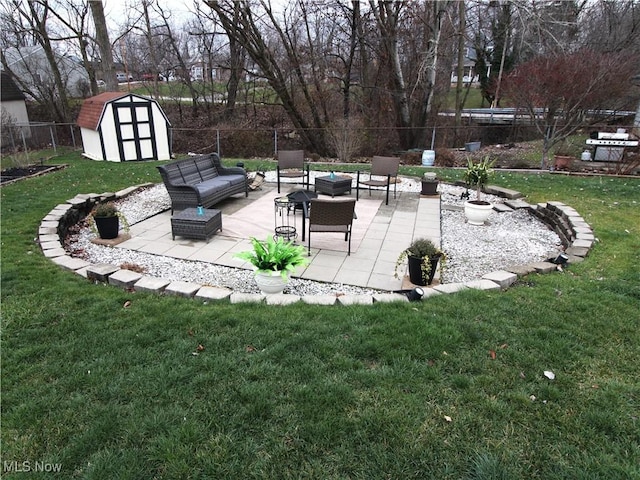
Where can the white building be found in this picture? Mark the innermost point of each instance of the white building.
(120, 127)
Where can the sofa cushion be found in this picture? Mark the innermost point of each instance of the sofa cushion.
(210, 186)
(235, 179)
(205, 167)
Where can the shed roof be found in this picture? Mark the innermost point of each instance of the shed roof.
(92, 108)
(9, 90)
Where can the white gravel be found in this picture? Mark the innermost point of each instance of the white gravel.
(508, 239)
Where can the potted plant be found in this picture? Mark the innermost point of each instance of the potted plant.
(477, 174)
(105, 220)
(429, 184)
(563, 156)
(422, 258)
(273, 261)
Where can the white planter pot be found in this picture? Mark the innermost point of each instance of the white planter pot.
(271, 282)
(477, 212)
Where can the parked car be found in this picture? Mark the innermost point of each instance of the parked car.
(122, 77)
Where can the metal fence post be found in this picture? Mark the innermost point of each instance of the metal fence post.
(218, 141)
(73, 136)
(275, 141)
(53, 140)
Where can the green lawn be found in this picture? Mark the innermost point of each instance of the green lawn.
(390, 391)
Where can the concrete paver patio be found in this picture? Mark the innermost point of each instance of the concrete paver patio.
(379, 237)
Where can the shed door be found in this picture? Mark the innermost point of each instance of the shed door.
(135, 131)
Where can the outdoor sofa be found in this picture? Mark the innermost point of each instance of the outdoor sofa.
(201, 180)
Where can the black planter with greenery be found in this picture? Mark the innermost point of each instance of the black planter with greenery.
(107, 227)
(105, 220)
(422, 259)
(416, 269)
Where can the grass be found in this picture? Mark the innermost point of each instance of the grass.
(306, 391)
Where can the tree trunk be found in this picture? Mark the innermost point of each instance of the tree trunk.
(104, 45)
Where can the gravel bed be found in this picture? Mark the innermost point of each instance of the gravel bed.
(471, 251)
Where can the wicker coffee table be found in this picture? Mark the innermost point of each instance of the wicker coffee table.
(335, 185)
(188, 223)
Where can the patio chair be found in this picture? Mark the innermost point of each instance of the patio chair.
(383, 169)
(331, 216)
(291, 165)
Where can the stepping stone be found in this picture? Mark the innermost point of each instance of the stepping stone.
(516, 204)
(502, 208)
(503, 192)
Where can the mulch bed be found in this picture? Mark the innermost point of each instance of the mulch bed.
(14, 174)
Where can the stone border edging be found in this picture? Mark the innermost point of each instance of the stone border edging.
(576, 235)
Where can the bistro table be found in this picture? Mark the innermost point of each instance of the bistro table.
(299, 200)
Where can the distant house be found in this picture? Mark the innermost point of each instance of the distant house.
(470, 75)
(199, 72)
(30, 66)
(120, 127)
(15, 119)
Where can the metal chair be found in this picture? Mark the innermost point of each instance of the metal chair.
(331, 216)
(291, 165)
(383, 169)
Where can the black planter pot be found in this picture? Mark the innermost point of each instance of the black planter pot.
(429, 187)
(107, 227)
(415, 270)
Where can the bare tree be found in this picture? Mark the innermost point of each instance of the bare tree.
(285, 75)
(46, 83)
(104, 46)
(558, 91)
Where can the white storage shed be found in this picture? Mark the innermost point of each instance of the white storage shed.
(120, 127)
